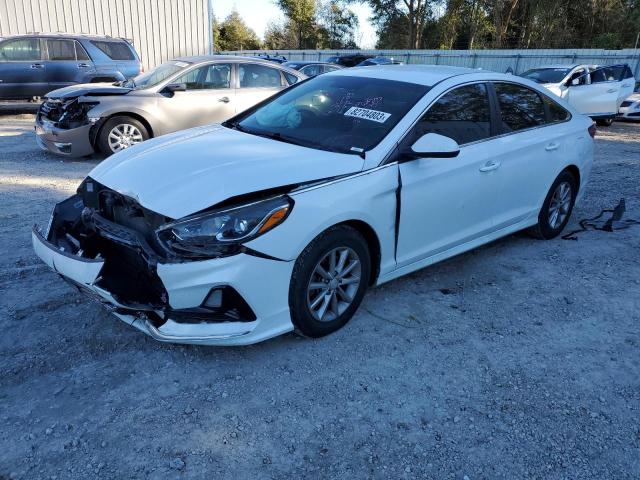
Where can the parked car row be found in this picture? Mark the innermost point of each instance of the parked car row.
(283, 216)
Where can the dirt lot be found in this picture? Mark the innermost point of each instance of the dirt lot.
(520, 359)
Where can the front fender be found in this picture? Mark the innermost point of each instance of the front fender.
(110, 106)
(369, 197)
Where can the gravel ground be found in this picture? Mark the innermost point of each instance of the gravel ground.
(519, 359)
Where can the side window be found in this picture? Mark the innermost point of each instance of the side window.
(557, 114)
(579, 74)
(329, 68)
(61, 50)
(520, 107)
(599, 75)
(193, 78)
(258, 76)
(311, 70)
(24, 49)
(218, 76)
(81, 53)
(462, 114)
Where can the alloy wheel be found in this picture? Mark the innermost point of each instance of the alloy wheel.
(559, 205)
(123, 136)
(333, 284)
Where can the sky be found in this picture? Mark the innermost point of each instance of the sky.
(258, 13)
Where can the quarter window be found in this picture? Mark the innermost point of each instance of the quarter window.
(115, 50)
(556, 112)
(462, 114)
(258, 76)
(520, 107)
(311, 70)
(26, 49)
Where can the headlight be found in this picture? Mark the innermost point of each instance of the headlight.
(221, 233)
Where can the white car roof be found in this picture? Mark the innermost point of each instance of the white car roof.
(421, 74)
(427, 75)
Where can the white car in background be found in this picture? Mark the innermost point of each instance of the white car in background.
(630, 108)
(596, 91)
(283, 216)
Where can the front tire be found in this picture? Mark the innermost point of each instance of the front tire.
(119, 133)
(329, 281)
(557, 207)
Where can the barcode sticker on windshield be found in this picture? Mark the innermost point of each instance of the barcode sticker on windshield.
(373, 115)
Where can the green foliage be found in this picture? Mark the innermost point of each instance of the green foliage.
(234, 34)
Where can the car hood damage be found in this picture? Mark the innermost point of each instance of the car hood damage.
(186, 172)
(88, 89)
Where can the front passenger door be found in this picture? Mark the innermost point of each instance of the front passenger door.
(208, 97)
(447, 202)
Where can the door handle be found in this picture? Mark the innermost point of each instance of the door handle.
(626, 85)
(224, 100)
(37, 65)
(612, 90)
(490, 165)
(84, 65)
(551, 146)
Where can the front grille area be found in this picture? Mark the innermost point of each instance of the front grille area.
(52, 110)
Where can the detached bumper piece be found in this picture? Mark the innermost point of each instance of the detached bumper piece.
(64, 129)
(118, 265)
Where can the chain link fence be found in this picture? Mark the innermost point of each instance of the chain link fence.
(496, 60)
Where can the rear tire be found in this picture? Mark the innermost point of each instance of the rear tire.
(557, 207)
(604, 122)
(329, 280)
(119, 133)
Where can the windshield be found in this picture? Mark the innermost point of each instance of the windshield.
(157, 75)
(546, 75)
(336, 113)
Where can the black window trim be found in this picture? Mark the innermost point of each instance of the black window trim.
(547, 117)
(495, 115)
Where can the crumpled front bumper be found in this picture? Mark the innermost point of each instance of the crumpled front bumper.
(73, 142)
(261, 282)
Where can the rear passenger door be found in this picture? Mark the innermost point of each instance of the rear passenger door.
(447, 202)
(67, 63)
(534, 138)
(256, 82)
(22, 70)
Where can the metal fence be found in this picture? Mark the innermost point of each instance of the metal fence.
(159, 29)
(497, 60)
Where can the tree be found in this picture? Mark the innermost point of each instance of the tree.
(302, 15)
(336, 25)
(234, 34)
(413, 14)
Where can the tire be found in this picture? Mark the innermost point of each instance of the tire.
(604, 122)
(305, 290)
(131, 130)
(548, 226)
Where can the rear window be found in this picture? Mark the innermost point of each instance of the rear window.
(114, 50)
(521, 108)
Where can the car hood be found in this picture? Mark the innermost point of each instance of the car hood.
(84, 89)
(185, 172)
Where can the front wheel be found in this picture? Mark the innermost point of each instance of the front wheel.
(119, 133)
(557, 207)
(329, 280)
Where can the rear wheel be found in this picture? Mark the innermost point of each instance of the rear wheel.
(329, 280)
(119, 133)
(557, 207)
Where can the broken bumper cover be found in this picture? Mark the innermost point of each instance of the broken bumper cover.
(261, 283)
(73, 142)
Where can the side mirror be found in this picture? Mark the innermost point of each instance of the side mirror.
(175, 87)
(434, 145)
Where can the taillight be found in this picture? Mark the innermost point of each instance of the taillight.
(592, 130)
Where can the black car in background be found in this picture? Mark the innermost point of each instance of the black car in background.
(349, 60)
(272, 58)
(33, 65)
(311, 69)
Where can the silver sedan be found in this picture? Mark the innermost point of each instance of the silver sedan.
(182, 93)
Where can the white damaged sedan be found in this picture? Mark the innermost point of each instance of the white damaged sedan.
(282, 217)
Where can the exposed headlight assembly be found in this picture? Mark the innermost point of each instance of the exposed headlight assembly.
(221, 233)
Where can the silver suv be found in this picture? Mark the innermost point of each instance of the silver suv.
(181, 93)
